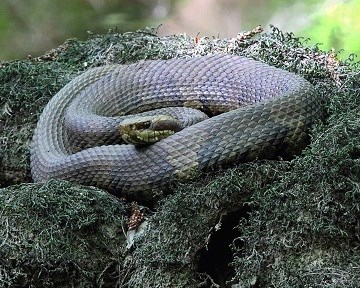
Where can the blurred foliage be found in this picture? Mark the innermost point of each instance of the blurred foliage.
(29, 27)
(33, 26)
(338, 27)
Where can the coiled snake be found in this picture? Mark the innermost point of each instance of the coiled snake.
(267, 111)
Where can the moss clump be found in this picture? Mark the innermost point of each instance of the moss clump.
(262, 224)
(60, 235)
(182, 229)
(304, 231)
(25, 88)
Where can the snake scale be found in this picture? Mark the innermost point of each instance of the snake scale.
(266, 112)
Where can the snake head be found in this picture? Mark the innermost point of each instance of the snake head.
(147, 130)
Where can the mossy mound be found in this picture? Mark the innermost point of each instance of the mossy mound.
(60, 235)
(261, 224)
(307, 225)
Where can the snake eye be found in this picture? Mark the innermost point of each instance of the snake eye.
(143, 125)
(165, 124)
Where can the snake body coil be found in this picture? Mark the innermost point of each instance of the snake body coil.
(266, 111)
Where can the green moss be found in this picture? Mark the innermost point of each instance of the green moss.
(267, 223)
(60, 235)
(25, 87)
(181, 229)
(304, 228)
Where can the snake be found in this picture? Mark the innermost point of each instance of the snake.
(240, 110)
